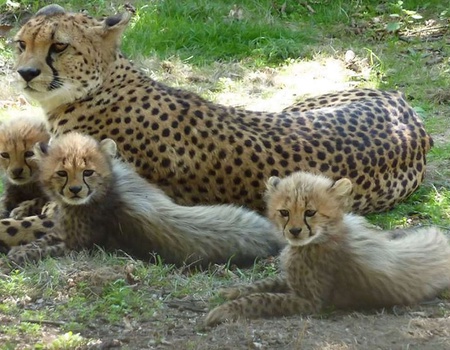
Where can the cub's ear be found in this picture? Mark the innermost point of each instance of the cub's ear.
(272, 183)
(50, 10)
(342, 189)
(41, 149)
(109, 147)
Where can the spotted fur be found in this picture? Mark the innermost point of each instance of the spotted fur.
(334, 259)
(201, 152)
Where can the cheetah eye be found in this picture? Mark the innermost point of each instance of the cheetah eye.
(284, 213)
(310, 212)
(61, 173)
(4, 155)
(29, 154)
(58, 47)
(21, 45)
(88, 173)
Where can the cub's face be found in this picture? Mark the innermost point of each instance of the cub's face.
(75, 170)
(17, 139)
(304, 206)
(62, 57)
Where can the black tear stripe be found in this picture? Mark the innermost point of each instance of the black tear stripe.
(306, 222)
(56, 81)
(309, 227)
(64, 186)
(89, 189)
(29, 166)
(289, 218)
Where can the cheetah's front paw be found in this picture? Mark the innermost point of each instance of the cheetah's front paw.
(26, 208)
(19, 212)
(219, 315)
(22, 254)
(49, 209)
(230, 293)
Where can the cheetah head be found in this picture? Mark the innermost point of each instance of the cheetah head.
(75, 169)
(62, 57)
(18, 135)
(305, 206)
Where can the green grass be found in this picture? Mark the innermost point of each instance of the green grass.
(83, 290)
(201, 32)
(79, 291)
(428, 205)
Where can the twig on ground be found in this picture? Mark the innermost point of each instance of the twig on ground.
(48, 322)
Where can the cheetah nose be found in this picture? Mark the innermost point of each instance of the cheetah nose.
(295, 231)
(28, 73)
(75, 189)
(17, 172)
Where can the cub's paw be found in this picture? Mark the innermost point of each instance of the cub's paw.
(49, 209)
(220, 314)
(19, 213)
(26, 208)
(230, 293)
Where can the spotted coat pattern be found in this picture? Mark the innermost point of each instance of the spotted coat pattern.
(201, 152)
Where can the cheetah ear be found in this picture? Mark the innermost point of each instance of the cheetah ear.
(109, 147)
(342, 189)
(50, 10)
(114, 26)
(272, 183)
(111, 32)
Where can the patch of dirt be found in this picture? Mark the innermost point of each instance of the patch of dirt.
(178, 322)
(418, 328)
(263, 89)
(179, 326)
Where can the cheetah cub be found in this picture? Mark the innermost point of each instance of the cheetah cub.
(335, 259)
(103, 201)
(18, 135)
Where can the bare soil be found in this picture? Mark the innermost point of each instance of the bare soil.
(424, 327)
(178, 324)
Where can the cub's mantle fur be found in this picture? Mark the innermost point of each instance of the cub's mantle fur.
(337, 259)
(103, 201)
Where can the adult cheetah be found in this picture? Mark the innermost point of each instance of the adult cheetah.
(201, 152)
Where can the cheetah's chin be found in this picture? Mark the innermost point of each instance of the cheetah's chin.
(19, 181)
(296, 242)
(300, 242)
(75, 200)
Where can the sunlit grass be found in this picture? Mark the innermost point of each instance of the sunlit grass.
(201, 32)
(427, 206)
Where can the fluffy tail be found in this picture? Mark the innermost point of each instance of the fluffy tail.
(406, 270)
(193, 235)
